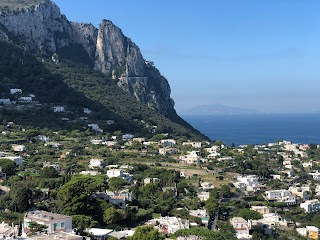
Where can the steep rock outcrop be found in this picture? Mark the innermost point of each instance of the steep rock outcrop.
(41, 28)
(85, 35)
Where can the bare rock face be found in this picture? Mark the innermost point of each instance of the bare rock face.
(85, 35)
(120, 58)
(41, 28)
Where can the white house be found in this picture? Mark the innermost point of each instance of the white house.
(54, 222)
(207, 186)
(268, 222)
(16, 159)
(241, 227)
(167, 142)
(4, 100)
(281, 196)
(301, 191)
(18, 148)
(25, 99)
(213, 149)
(203, 196)
(15, 91)
(127, 136)
(90, 173)
(120, 201)
(191, 158)
(315, 175)
(193, 144)
(261, 209)
(169, 225)
(120, 174)
(311, 232)
(168, 151)
(200, 213)
(95, 163)
(95, 127)
(110, 122)
(54, 165)
(86, 110)
(150, 180)
(311, 205)
(248, 183)
(307, 164)
(58, 109)
(43, 138)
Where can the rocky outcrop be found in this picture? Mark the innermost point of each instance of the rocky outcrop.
(41, 28)
(85, 35)
(121, 59)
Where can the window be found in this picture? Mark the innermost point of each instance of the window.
(62, 225)
(55, 226)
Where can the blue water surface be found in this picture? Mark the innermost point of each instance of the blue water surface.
(259, 128)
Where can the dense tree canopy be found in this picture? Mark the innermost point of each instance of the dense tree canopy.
(8, 166)
(146, 233)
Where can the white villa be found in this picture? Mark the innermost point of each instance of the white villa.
(311, 205)
(58, 109)
(120, 174)
(54, 222)
(16, 159)
(193, 144)
(249, 183)
(191, 158)
(169, 225)
(241, 227)
(282, 195)
(95, 163)
(15, 91)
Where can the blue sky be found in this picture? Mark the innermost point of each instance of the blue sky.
(261, 55)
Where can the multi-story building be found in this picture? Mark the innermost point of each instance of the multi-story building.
(311, 232)
(301, 191)
(241, 227)
(191, 158)
(311, 205)
(281, 196)
(261, 209)
(54, 222)
(120, 174)
(169, 225)
(249, 183)
(193, 144)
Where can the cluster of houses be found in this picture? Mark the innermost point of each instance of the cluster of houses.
(247, 184)
(17, 97)
(269, 222)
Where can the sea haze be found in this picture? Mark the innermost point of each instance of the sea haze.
(258, 128)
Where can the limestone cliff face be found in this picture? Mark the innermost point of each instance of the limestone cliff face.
(121, 59)
(41, 28)
(85, 35)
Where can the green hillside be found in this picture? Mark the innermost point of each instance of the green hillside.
(75, 86)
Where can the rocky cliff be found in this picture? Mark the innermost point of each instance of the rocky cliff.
(41, 28)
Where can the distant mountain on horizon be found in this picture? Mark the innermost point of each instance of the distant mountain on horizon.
(218, 109)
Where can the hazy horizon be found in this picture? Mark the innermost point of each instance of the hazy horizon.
(249, 54)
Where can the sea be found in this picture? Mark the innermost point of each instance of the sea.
(258, 128)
